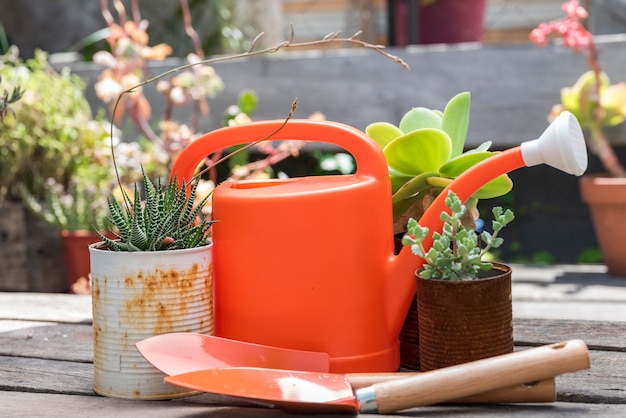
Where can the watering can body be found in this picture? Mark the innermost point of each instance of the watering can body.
(303, 263)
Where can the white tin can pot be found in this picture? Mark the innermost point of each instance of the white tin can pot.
(136, 295)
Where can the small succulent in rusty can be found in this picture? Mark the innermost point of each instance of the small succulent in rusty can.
(167, 220)
(456, 253)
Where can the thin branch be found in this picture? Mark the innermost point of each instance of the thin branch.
(294, 106)
(121, 11)
(191, 32)
(330, 38)
(136, 11)
(106, 13)
(333, 37)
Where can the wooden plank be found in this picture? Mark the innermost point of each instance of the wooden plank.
(28, 405)
(76, 340)
(54, 342)
(48, 376)
(600, 335)
(53, 307)
(7, 325)
(604, 382)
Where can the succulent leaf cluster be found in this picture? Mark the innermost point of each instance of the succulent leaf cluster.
(166, 220)
(425, 153)
(456, 253)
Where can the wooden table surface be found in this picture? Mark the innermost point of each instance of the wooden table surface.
(46, 369)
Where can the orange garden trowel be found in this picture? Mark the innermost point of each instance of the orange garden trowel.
(183, 352)
(327, 392)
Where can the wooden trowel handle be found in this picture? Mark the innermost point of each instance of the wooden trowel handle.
(480, 376)
(538, 391)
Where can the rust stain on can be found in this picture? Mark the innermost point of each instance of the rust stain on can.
(149, 307)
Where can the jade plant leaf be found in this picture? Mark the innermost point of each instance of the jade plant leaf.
(413, 186)
(383, 133)
(410, 192)
(418, 151)
(496, 187)
(398, 179)
(455, 121)
(461, 163)
(419, 118)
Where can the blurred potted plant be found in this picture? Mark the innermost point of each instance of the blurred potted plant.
(465, 307)
(424, 154)
(54, 135)
(75, 211)
(54, 140)
(596, 103)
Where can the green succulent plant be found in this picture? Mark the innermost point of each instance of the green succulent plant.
(167, 220)
(54, 134)
(425, 153)
(456, 253)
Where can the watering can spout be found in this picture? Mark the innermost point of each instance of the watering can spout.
(561, 146)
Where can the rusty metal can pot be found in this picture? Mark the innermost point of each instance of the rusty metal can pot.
(136, 295)
(463, 321)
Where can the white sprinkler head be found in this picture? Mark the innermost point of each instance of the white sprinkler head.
(562, 146)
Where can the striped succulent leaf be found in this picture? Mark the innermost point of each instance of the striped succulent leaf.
(167, 218)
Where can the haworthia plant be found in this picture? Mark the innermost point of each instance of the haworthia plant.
(167, 219)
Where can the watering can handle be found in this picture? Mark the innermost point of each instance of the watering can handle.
(368, 155)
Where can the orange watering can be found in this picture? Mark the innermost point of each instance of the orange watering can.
(307, 263)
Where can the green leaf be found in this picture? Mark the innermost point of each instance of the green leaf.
(412, 187)
(419, 151)
(455, 121)
(494, 188)
(398, 180)
(439, 182)
(420, 118)
(248, 101)
(499, 186)
(383, 133)
(458, 165)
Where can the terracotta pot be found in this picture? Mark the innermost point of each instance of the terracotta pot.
(606, 197)
(76, 254)
(462, 321)
(137, 295)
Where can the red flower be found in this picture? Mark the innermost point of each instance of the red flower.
(570, 28)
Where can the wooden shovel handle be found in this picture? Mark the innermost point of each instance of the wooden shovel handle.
(480, 376)
(538, 391)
